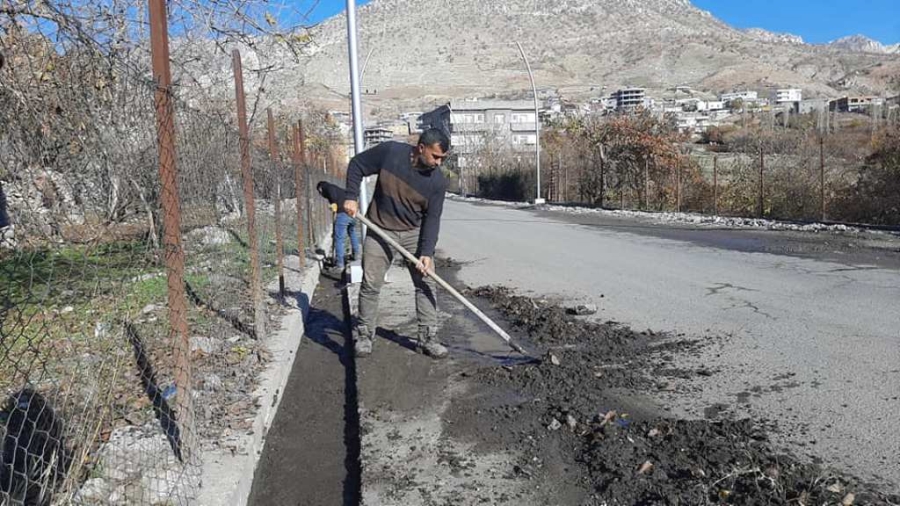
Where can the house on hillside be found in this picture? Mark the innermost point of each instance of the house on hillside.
(376, 135)
(472, 122)
(858, 104)
(788, 98)
(630, 99)
(737, 100)
(745, 96)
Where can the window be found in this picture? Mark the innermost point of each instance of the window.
(523, 139)
(469, 118)
(499, 119)
(523, 117)
(479, 118)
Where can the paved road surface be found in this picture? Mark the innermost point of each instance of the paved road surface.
(806, 340)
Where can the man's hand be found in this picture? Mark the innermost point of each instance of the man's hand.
(425, 265)
(351, 207)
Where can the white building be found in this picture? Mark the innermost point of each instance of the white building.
(746, 96)
(711, 105)
(471, 122)
(788, 95)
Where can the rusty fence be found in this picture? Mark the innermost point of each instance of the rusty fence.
(147, 249)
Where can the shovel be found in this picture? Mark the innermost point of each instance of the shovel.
(412, 258)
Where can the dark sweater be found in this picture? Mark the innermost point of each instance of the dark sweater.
(333, 193)
(406, 196)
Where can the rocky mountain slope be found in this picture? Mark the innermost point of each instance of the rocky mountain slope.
(863, 44)
(426, 51)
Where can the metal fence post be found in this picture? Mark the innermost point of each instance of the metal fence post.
(298, 192)
(646, 184)
(715, 185)
(822, 173)
(279, 238)
(678, 187)
(304, 167)
(249, 202)
(761, 189)
(171, 208)
(310, 217)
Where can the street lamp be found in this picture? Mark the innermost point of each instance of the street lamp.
(356, 107)
(537, 129)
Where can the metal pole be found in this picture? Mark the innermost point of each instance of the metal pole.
(678, 187)
(715, 185)
(537, 129)
(279, 238)
(259, 319)
(761, 189)
(304, 166)
(822, 173)
(356, 106)
(171, 208)
(646, 184)
(298, 192)
(310, 216)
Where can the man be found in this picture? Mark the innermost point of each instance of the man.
(407, 204)
(343, 224)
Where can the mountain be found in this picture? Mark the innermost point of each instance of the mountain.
(863, 44)
(424, 52)
(767, 36)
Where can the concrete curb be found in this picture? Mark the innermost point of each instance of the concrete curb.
(227, 476)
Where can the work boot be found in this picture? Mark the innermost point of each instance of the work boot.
(429, 345)
(362, 341)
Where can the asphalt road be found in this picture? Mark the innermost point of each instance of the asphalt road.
(808, 336)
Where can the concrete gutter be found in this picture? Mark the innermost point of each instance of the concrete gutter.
(227, 473)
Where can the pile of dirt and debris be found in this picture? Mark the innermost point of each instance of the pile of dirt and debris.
(589, 396)
(701, 461)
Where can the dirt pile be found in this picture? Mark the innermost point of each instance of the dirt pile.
(588, 396)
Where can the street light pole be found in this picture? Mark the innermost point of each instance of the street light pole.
(537, 128)
(356, 107)
(362, 75)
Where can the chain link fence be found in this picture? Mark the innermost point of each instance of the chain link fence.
(142, 245)
(795, 173)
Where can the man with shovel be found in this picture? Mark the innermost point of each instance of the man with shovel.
(407, 205)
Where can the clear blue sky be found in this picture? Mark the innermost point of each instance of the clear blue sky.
(817, 21)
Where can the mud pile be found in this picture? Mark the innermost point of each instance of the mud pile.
(589, 395)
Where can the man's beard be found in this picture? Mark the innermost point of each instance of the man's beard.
(422, 163)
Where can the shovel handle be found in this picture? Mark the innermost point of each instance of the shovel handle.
(439, 280)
